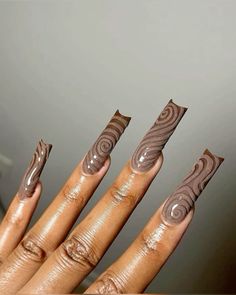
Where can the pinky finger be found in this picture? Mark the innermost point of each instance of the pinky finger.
(140, 263)
(22, 207)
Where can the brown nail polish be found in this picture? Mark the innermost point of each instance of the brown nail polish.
(182, 200)
(149, 149)
(33, 172)
(105, 143)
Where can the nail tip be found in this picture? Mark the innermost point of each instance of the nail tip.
(127, 118)
(177, 105)
(48, 146)
(209, 153)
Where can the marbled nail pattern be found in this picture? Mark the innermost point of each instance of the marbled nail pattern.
(34, 170)
(148, 151)
(182, 200)
(105, 143)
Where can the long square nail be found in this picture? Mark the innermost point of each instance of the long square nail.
(149, 149)
(182, 200)
(34, 170)
(105, 143)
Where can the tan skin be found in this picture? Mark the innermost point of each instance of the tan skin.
(60, 273)
(15, 221)
(45, 260)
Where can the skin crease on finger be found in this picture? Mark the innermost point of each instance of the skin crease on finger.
(79, 254)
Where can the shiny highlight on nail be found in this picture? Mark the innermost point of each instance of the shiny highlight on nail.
(34, 170)
(149, 149)
(182, 200)
(104, 145)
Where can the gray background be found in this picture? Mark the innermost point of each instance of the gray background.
(66, 66)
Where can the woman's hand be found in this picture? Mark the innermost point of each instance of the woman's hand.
(45, 261)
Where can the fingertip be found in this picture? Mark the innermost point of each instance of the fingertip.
(38, 189)
(156, 168)
(189, 216)
(106, 165)
(161, 158)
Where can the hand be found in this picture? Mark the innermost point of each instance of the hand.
(45, 260)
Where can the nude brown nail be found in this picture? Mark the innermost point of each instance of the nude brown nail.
(105, 143)
(182, 200)
(33, 172)
(149, 149)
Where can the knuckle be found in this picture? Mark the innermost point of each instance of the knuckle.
(31, 250)
(75, 251)
(14, 219)
(109, 284)
(153, 242)
(73, 193)
(123, 194)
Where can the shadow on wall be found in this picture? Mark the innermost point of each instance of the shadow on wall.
(221, 265)
(2, 210)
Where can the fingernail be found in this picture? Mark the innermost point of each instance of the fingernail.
(33, 172)
(182, 200)
(149, 149)
(105, 143)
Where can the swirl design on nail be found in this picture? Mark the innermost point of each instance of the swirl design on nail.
(154, 141)
(34, 170)
(104, 145)
(182, 200)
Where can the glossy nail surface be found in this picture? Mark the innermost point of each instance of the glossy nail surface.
(182, 200)
(105, 143)
(149, 149)
(34, 170)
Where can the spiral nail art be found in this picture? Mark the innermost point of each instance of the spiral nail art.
(34, 170)
(182, 200)
(154, 141)
(105, 143)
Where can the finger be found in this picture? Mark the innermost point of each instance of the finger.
(85, 246)
(139, 264)
(24, 203)
(59, 217)
(16, 221)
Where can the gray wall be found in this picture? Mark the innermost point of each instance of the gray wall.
(66, 66)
